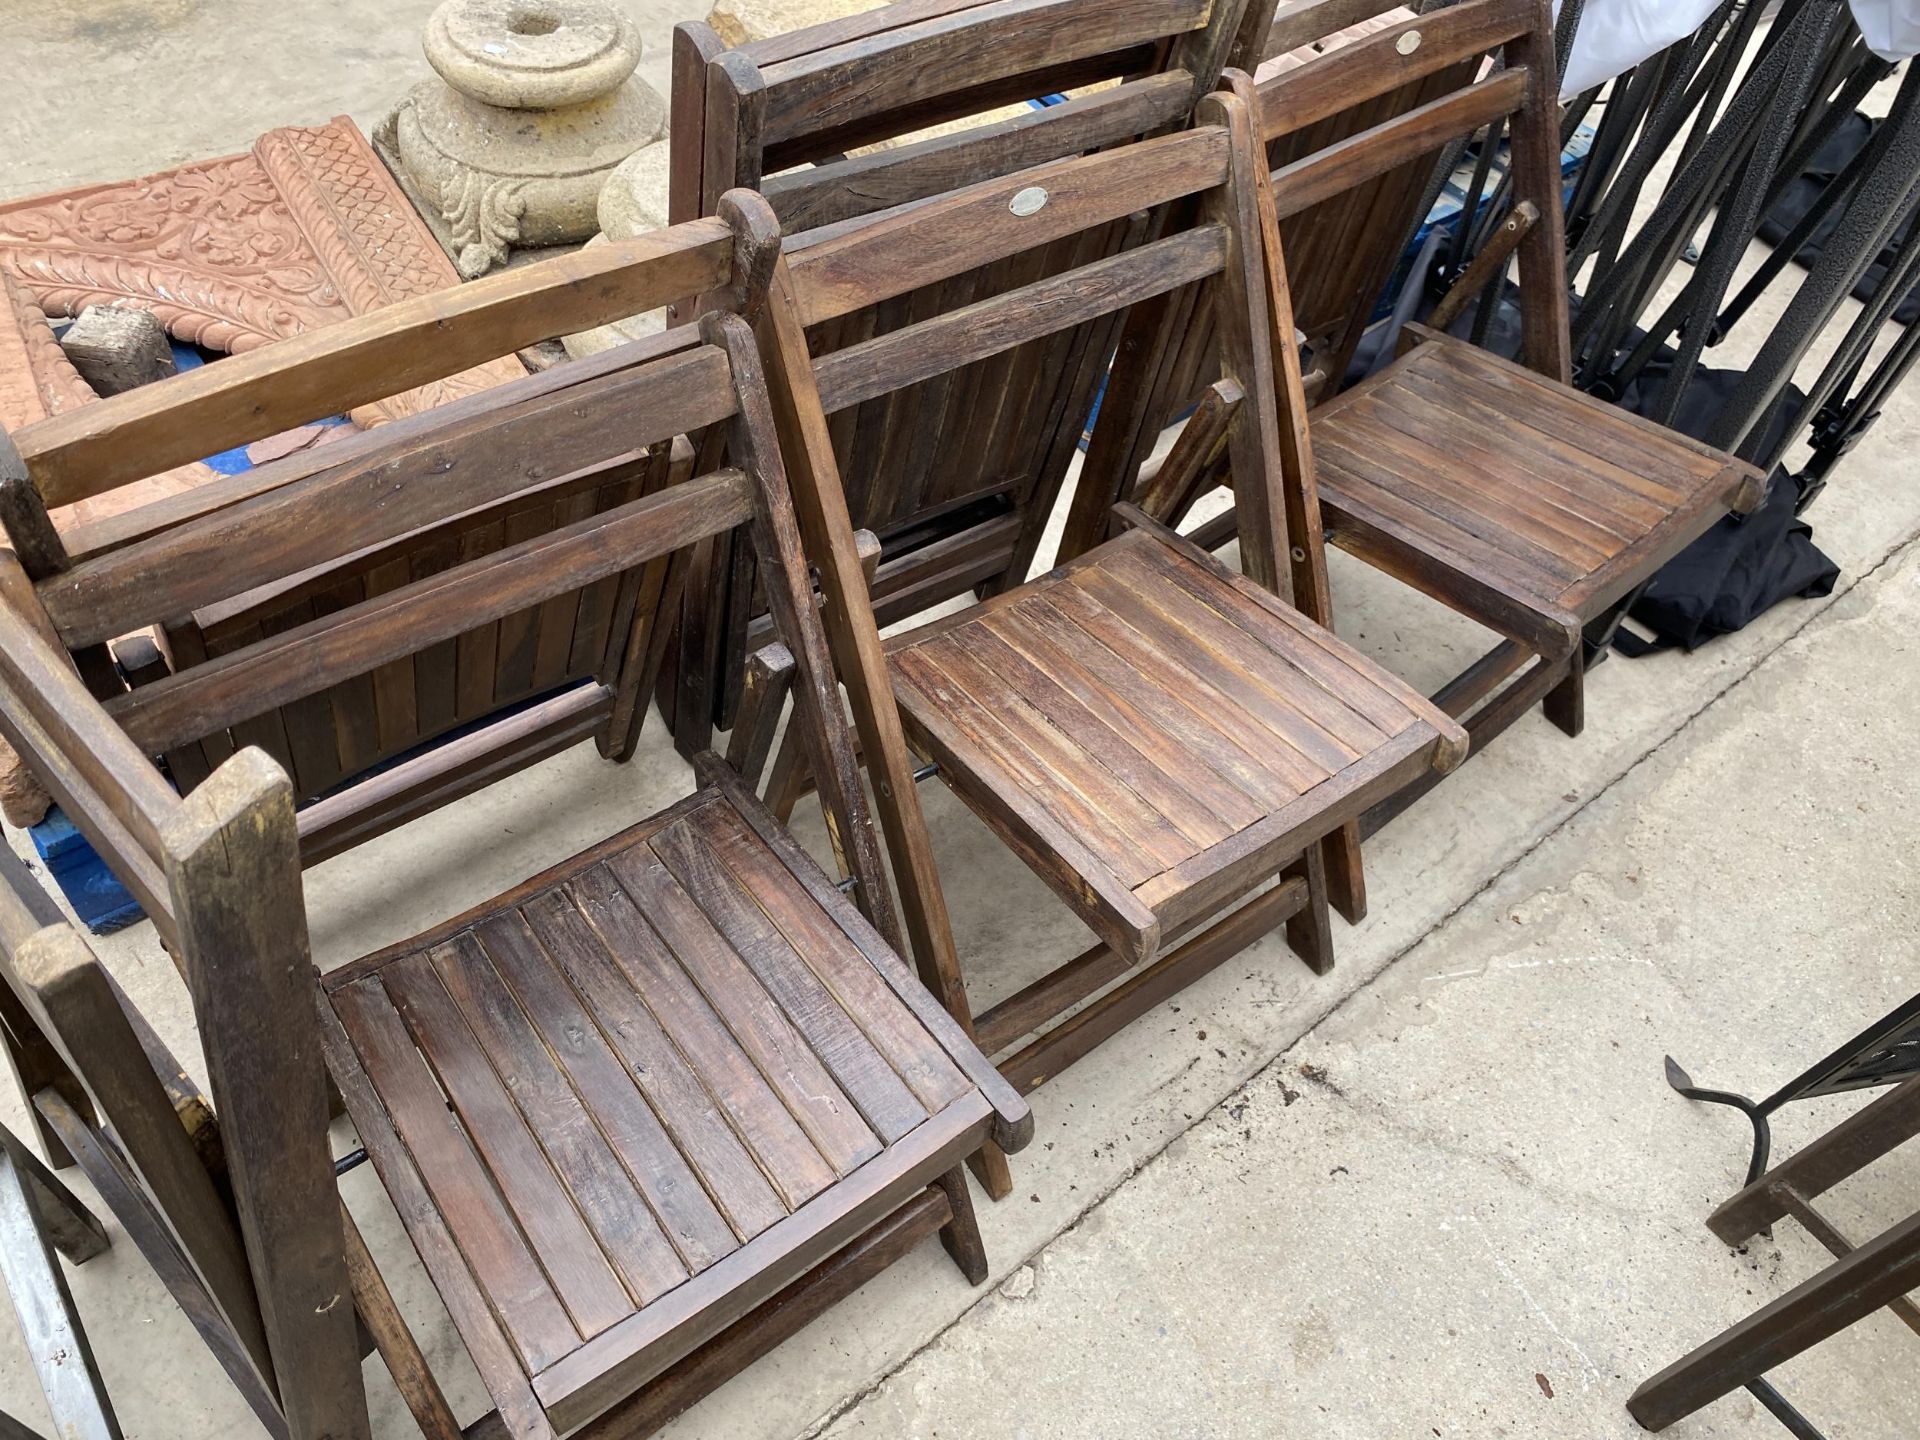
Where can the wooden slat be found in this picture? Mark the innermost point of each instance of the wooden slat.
(1374, 151)
(895, 253)
(882, 1099)
(463, 1194)
(701, 1124)
(1014, 1121)
(400, 792)
(709, 969)
(1010, 37)
(1325, 723)
(1168, 665)
(843, 189)
(785, 1151)
(330, 650)
(555, 1114)
(1376, 65)
(461, 1287)
(988, 327)
(606, 1093)
(1219, 755)
(826, 949)
(619, 1362)
(437, 473)
(93, 449)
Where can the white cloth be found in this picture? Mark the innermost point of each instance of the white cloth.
(1892, 27)
(1616, 35)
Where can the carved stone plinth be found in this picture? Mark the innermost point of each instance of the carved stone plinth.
(535, 105)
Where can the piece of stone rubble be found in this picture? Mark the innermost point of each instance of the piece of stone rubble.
(117, 348)
(632, 202)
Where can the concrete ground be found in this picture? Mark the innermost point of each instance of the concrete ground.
(1442, 1191)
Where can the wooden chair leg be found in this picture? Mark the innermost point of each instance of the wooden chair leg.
(1309, 933)
(790, 776)
(763, 698)
(1845, 1292)
(961, 1234)
(989, 1165)
(1566, 703)
(1346, 880)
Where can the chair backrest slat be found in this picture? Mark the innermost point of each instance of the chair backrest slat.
(95, 448)
(824, 92)
(988, 327)
(837, 190)
(905, 250)
(1411, 50)
(322, 653)
(434, 468)
(1374, 151)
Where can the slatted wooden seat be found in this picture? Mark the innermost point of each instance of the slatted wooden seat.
(893, 106)
(644, 1090)
(646, 1114)
(1554, 500)
(1064, 710)
(1170, 724)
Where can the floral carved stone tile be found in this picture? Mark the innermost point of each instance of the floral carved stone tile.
(304, 229)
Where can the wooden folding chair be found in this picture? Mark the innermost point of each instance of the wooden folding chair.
(375, 750)
(1494, 487)
(827, 122)
(643, 1114)
(1164, 741)
(1878, 1274)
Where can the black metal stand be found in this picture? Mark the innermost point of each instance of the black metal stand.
(1884, 1053)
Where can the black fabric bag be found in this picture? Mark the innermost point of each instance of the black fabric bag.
(1741, 567)
(1744, 565)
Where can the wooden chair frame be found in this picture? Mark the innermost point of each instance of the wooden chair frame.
(1559, 635)
(859, 266)
(365, 749)
(219, 870)
(946, 474)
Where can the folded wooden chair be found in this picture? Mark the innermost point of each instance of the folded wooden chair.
(374, 750)
(1875, 1274)
(644, 1113)
(1164, 741)
(827, 123)
(1492, 486)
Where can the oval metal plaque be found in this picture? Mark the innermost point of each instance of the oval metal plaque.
(1408, 43)
(1029, 201)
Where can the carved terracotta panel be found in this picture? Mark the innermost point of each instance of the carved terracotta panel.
(304, 229)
